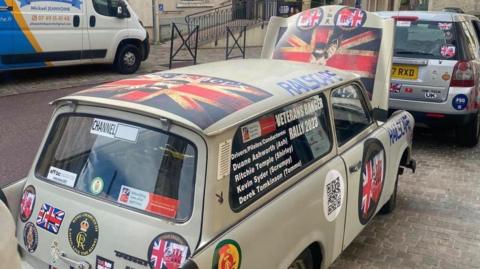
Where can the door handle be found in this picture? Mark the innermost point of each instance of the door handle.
(76, 21)
(73, 263)
(6, 8)
(93, 21)
(354, 168)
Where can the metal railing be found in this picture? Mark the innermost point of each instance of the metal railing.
(213, 22)
(189, 41)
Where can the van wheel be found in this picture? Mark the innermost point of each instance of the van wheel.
(128, 59)
(468, 135)
(303, 261)
(389, 206)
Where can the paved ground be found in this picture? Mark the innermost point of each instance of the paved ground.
(24, 81)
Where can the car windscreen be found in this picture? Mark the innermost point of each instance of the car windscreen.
(135, 166)
(425, 39)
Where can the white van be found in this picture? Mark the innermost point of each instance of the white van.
(38, 34)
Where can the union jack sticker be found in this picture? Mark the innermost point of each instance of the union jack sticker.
(50, 218)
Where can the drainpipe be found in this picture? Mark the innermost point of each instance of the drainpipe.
(156, 32)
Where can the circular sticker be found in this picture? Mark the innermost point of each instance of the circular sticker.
(447, 51)
(27, 203)
(333, 195)
(30, 237)
(309, 18)
(460, 102)
(350, 18)
(227, 255)
(168, 250)
(83, 233)
(372, 178)
(96, 186)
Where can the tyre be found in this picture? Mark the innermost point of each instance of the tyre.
(303, 261)
(128, 59)
(468, 135)
(390, 206)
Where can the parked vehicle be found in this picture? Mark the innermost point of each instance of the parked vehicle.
(436, 70)
(39, 34)
(453, 9)
(209, 166)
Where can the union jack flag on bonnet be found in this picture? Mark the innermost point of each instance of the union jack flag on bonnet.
(50, 218)
(167, 254)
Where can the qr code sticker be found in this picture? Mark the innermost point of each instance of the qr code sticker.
(334, 194)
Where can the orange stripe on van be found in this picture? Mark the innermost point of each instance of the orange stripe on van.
(17, 13)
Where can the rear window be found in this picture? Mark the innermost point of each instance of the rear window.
(138, 167)
(425, 39)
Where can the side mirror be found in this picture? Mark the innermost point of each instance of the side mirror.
(122, 11)
(380, 114)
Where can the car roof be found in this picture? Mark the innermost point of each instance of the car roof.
(213, 97)
(427, 15)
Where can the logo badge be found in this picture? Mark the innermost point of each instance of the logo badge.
(30, 237)
(460, 102)
(96, 186)
(227, 255)
(83, 233)
(168, 251)
(350, 18)
(27, 204)
(50, 218)
(310, 18)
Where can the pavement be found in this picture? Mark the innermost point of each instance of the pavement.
(36, 80)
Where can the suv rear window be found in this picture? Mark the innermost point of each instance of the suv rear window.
(425, 39)
(138, 167)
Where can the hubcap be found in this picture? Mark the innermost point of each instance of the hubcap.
(129, 59)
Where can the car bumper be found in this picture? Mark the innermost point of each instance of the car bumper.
(439, 120)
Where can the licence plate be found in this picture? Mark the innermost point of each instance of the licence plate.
(405, 71)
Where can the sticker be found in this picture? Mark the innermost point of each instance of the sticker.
(27, 204)
(399, 128)
(54, 251)
(460, 102)
(445, 26)
(404, 23)
(83, 233)
(50, 218)
(408, 90)
(447, 51)
(371, 179)
(62, 177)
(310, 18)
(103, 263)
(168, 250)
(350, 18)
(227, 255)
(113, 129)
(154, 203)
(30, 237)
(333, 195)
(446, 76)
(224, 150)
(395, 87)
(130, 258)
(448, 35)
(264, 126)
(430, 95)
(96, 186)
(309, 82)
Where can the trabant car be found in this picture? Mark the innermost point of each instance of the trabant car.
(212, 166)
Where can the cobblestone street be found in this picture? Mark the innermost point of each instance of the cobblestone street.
(437, 220)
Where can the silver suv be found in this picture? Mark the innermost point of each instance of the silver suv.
(435, 72)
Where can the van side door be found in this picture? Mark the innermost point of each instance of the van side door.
(7, 24)
(50, 33)
(105, 29)
(362, 148)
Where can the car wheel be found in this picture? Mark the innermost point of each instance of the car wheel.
(389, 206)
(468, 135)
(303, 261)
(128, 59)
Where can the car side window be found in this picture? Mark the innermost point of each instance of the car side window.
(470, 40)
(476, 28)
(106, 7)
(350, 113)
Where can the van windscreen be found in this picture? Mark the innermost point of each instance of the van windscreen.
(135, 166)
(425, 39)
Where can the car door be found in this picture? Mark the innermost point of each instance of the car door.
(50, 33)
(104, 28)
(362, 148)
(7, 24)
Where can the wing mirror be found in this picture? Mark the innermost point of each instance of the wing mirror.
(122, 10)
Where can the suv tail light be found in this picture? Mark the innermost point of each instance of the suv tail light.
(463, 74)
